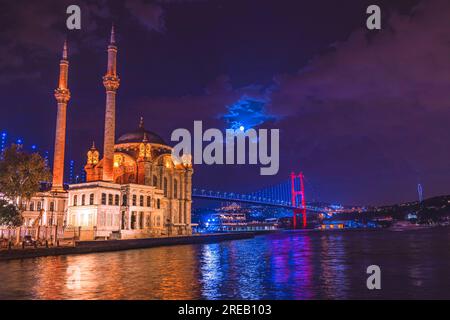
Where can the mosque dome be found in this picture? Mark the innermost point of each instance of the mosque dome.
(139, 135)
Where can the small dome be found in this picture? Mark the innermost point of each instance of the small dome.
(139, 135)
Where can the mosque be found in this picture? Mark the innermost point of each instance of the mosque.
(136, 190)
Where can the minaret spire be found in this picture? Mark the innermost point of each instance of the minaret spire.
(62, 95)
(64, 54)
(113, 36)
(111, 82)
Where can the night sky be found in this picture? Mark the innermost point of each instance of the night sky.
(364, 114)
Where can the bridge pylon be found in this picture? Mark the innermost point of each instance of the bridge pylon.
(298, 190)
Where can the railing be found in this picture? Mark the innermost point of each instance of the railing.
(41, 232)
(248, 198)
(239, 197)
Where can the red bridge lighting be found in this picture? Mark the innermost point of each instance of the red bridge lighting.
(298, 190)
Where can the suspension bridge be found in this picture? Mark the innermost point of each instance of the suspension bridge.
(289, 194)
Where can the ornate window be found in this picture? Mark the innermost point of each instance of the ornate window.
(141, 220)
(110, 199)
(149, 201)
(83, 200)
(155, 181)
(124, 200)
(116, 200)
(52, 206)
(134, 200)
(133, 220)
(141, 201)
(31, 206)
(123, 220)
(175, 188)
(103, 198)
(91, 199)
(75, 200)
(165, 187)
(158, 203)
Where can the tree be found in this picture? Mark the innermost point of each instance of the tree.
(9, 214)
(21, 174)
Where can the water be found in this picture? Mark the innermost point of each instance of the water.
(288, 265)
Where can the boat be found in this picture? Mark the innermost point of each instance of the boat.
(237, 222)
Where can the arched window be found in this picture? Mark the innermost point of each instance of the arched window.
(91, 199)
(134, 200)
(149, 201)
(165, 187)
(155, 181)
(31, 206)
(110, 199)
(175, 188)
(75, 200)
(124, 200)
(158, 203)
(116, 200)
(52, 206)
(141, 201)
(103, 198)
(83, 200)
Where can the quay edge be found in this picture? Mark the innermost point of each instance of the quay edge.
(82, 247)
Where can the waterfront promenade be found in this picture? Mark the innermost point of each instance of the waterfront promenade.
(81, 247)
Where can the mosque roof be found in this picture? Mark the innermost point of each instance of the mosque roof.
(140, 135)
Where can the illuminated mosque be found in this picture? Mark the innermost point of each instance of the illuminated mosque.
(136, 190)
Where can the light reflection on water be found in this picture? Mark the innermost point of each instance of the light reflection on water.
(289, 265)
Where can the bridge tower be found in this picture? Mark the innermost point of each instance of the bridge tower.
(298, 190)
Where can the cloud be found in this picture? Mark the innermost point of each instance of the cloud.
(149, 15)
(34, 31)
(373, 109)
(246, 112)
(208, 106)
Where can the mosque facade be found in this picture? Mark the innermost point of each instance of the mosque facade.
(136, 190)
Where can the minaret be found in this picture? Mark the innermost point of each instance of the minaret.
(111, 82)
(62, 95)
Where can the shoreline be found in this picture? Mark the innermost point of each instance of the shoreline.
(97, 246)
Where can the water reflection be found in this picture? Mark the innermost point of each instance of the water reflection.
(211, 271)
(332, 266)
(290, 265)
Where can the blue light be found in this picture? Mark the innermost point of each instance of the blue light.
(19, 141)
(33, 147)
(246, 113)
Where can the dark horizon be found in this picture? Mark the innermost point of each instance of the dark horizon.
(361, 113)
